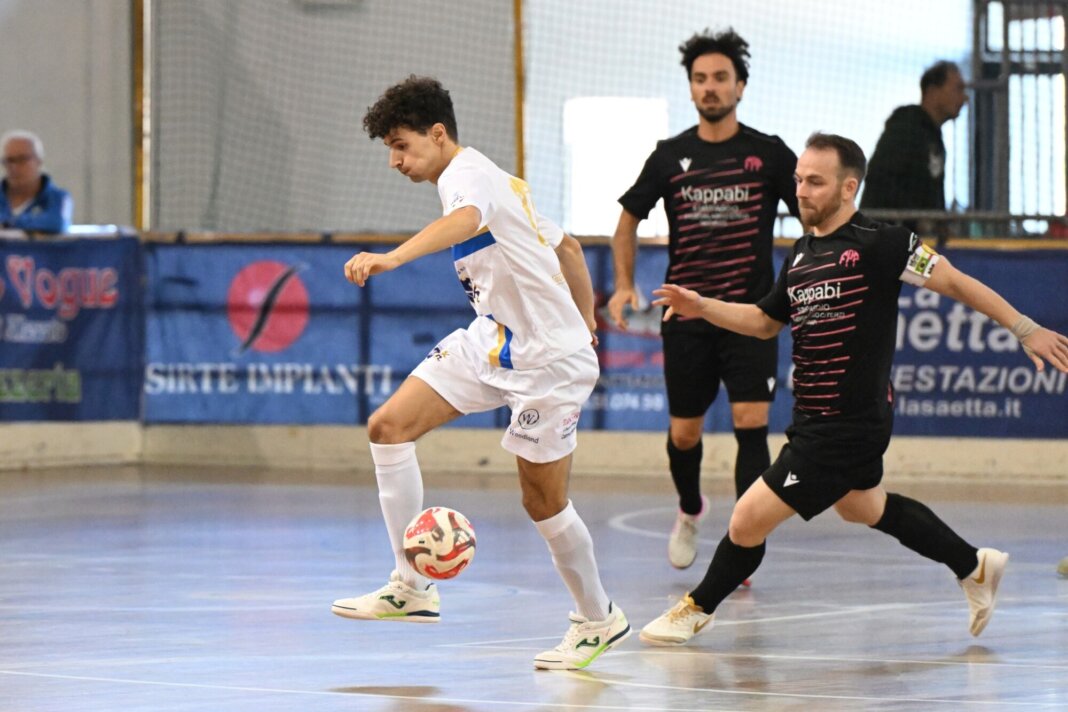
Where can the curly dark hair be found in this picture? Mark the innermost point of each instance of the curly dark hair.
(728, 43)
(850, 155)
(417, 103)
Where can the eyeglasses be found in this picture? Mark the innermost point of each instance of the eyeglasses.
(15, 160)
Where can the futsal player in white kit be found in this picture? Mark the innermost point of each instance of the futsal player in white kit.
(530, 347)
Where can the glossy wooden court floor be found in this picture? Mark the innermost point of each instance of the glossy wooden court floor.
(138, 589)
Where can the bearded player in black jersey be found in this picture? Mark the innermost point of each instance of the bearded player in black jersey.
(721, 183)
(838, 291)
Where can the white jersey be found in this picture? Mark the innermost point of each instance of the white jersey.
(526, 316)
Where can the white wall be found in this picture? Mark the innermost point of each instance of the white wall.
(65, 68)
(839, 65)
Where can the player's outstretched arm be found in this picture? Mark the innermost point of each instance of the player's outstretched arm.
(1039, 343)
(745, 319)
(624, 250)
(577, 275)
(444, 232)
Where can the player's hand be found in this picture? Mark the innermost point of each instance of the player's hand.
(679, 301)
(623, 298)
(364, 264)
(1049, 345)
(591, 324)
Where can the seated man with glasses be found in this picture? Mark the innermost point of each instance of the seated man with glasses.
(28, 199)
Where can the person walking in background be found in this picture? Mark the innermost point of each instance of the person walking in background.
(838, 290)
(29, 200)
(908, 167)
(721, 182)
(530, 347)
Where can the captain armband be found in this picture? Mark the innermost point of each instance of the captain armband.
(920, 265)
(1024, 327)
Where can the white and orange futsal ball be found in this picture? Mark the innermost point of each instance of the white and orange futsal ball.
(439, 543)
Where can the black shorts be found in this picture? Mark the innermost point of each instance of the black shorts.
(810, 488)
(695, 363)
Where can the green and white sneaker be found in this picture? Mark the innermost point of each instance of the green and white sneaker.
(584, 641)
(677, 624)
(396, 601)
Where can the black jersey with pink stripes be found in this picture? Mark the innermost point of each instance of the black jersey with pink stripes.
(721, 201)
(838, 294)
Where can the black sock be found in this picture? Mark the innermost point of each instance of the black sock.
(753, 457)
(686, 472)
(920, 529)
(731, 565)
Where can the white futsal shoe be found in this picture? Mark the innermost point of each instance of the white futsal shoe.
(396, 601)
(677, 624)
(682, 545)
(584, 641)
(981, 587)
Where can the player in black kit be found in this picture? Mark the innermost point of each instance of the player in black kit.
(838, 291)
(721, 182)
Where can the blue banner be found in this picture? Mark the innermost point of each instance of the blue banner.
(268, 333)
(958, 373)
(71, 330)
(955, 373)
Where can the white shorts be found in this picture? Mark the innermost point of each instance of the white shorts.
(545, 402)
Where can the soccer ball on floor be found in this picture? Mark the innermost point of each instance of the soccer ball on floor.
(439, 543)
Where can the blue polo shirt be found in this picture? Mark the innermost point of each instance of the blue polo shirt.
(49, 211)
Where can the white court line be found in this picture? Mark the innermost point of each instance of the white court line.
(586, 677)
(799, 695)
(620, 523)
(833, 659)
(162, 609)
(369, 695)
(509, 643)
(860, 610)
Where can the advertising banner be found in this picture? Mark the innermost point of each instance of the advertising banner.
(271, 333)
(958, 373)
(955, 372)
(71, 330)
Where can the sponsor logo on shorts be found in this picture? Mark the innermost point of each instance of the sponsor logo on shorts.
(791, 479)
(522, 436)
(528, 419)
(568, 424)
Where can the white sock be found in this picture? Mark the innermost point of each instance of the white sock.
(400, 493)
(572, 549)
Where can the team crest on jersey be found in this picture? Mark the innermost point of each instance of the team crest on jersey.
(472, 291)
(437, 353)
(685, 163)
(849, 258)
(753, 163)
